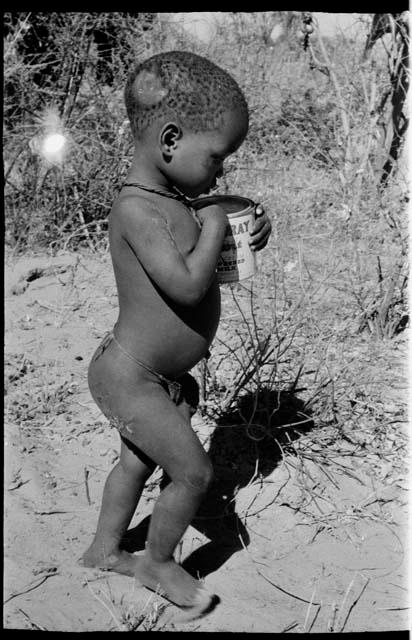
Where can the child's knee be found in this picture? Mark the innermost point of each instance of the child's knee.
(134, 460)
(199, 477)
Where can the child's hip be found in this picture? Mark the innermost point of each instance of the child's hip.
(115, 376)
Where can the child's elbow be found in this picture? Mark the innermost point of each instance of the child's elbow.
(189, 295)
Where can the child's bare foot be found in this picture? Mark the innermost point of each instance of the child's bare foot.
(118, 561)
(174, 583)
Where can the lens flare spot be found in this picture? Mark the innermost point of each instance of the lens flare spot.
(53, 145)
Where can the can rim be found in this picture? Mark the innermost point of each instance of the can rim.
(248, 203)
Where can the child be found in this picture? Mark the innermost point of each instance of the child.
(187, 115)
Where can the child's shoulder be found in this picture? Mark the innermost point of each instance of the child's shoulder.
(136, 209)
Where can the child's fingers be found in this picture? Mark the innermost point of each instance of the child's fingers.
(259, 210)
(260, 230)
(260, 236)
(261, 223)
(260, 219)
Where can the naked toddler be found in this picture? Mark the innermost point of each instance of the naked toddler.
(187, 115)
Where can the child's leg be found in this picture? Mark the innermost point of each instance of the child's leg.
(122, 492)
(162, 432)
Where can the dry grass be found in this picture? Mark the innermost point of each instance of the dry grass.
(126, 616)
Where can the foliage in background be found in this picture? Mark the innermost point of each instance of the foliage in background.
(321, 110)
(71, 63)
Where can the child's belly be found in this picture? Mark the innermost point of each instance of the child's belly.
(168, 338)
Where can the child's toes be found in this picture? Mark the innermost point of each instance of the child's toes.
(204, 602)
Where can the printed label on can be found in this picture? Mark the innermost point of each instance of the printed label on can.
(237, 261)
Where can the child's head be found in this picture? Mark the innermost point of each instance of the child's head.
(185, 86)
(192, 111)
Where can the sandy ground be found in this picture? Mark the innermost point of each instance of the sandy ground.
(299, 571)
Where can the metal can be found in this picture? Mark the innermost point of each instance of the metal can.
(237, 261)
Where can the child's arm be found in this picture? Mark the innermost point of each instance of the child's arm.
(183, 278)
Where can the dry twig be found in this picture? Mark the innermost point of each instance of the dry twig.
(33, 624)
(86, 483)
(32, 587)
(354, 603)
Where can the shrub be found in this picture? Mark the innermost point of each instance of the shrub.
(70, 67)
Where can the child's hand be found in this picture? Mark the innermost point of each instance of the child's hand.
(261, 229)
(212, 212)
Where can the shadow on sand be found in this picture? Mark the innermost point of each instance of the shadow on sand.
(239, 452)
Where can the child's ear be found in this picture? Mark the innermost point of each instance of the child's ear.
(169, 137)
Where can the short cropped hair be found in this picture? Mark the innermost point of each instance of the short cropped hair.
(183, 85)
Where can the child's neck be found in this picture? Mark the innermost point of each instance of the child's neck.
(146, 172)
